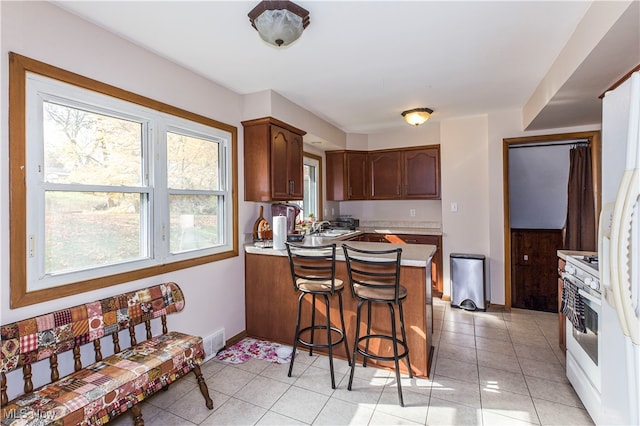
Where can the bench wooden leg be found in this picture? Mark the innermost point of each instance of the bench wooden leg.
(203, 386)
(136, 411)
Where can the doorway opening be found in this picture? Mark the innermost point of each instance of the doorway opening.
(519, 241)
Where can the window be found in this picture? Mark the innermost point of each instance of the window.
(118, 187)
(311, 204)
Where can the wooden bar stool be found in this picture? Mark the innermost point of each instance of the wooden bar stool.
(313, 272)
(374, 277)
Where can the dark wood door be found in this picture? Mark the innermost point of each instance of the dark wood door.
(534, 268)
(421, 177)
(356, 176)
(384, 171)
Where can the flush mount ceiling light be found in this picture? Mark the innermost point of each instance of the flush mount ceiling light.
(417, 116)
(279, 22)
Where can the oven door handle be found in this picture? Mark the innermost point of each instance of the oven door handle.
(590, 297)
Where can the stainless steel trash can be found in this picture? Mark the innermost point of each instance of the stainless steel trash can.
(468, 281)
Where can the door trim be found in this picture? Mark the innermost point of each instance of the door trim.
(593, 137)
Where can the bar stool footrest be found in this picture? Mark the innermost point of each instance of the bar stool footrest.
(401, 346)
(321, 345)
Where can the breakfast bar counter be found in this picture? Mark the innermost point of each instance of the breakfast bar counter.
(271, 301)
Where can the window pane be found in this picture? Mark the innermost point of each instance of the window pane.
(194, 222)
(192, 163)
(90, 229)
(88, 148)
(310, 196)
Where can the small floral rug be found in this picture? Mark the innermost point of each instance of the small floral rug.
(249, 348)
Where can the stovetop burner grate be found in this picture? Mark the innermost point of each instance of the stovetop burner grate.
(588, 264)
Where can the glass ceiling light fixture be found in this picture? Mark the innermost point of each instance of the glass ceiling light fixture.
(417, 116)
(279, 22)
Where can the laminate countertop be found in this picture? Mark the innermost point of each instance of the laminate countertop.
(418, 255)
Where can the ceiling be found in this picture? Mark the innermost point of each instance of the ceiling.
(360, 63)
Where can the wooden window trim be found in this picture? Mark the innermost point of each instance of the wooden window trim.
(19, 296)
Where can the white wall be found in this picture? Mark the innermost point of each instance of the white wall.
(505, 124)
(357, 141)
(597, 21)
(471, 150)
(426, 134)
(465, 181)
(426, 210)
(214, 292)
(389, 210)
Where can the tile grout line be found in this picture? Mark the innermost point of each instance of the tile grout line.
(445, 312)
(525, 380)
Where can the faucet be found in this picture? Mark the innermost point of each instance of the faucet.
(317, 226)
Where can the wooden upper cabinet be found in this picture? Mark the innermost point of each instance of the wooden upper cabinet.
(421, 173)
(346, 175)
(385, 175)
(390, 174)
(356, 176)
(336, 172)
(286, 164)
(273, 164)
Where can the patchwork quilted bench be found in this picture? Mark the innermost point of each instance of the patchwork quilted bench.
(101, 391)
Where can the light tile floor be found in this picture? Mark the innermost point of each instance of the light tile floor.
(491, 368)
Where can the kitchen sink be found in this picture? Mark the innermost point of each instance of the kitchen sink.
(333, 233)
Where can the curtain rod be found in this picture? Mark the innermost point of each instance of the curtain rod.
(558, 143)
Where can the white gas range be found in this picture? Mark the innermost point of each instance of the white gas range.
(582, 302)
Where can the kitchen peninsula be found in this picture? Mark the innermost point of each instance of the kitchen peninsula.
(271, 301)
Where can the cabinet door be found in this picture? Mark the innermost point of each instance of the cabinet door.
(336, 175)
(371, 237)
(421, 177)
(356, 176)
(295, 167)
(384, 172)
(286, 164)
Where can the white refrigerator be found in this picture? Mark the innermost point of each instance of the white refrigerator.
(619, 255)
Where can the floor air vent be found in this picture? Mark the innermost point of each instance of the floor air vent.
(213, 343)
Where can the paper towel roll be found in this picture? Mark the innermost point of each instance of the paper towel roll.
(279, 232)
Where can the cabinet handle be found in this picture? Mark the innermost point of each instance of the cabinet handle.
(412, 241)
(291, 186)
(350, 191)
(398, 190)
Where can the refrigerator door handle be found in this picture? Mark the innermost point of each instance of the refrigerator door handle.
(626, 287)
(615, 256)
